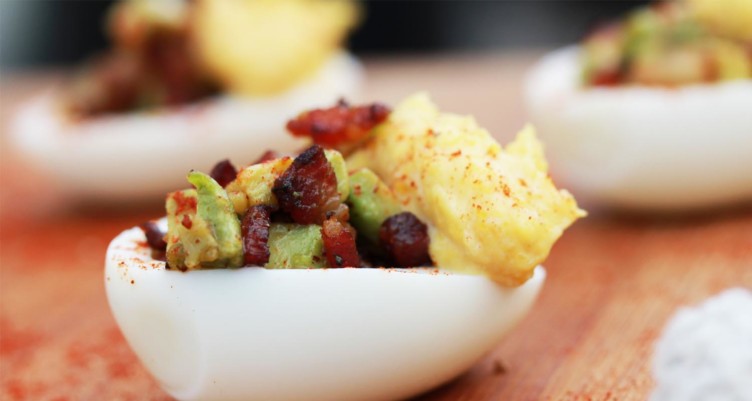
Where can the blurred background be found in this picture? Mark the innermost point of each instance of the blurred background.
(70, 187)
(64, 32)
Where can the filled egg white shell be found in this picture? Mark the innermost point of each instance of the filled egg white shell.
(144, 155)
(313, 334)
(641, 148)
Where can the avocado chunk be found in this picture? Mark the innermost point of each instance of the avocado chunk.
(294, 246)
(190, 242)
(215, 208)
(340, 171)
(371, 202)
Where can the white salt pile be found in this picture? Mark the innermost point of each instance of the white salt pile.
(705, 352)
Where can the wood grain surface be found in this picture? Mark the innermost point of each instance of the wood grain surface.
(613, 279)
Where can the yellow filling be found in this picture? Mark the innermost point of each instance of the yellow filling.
(490, 210)
(732, 18)
(263, 47)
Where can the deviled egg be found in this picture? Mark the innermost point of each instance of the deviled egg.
(183, 86)
(651, 112)
(266, 282)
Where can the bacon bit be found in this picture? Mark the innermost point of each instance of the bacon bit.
(255, 231)
(339, 244)
(506, 189)
(185, 204)
(710, 68)
(405, 239)
(187, 222)
(607, 78)
(455, 154)
(111, 86)
(224, 173)
(154, 236)
(267, 156)
(307, 190)
(338, 125)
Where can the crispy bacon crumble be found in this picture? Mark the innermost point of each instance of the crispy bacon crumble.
(339, 244)
(405, 239)
(307, 190)
(224, 173)
(154, 236)
(338, 125)
(267, 156)
(255, 233)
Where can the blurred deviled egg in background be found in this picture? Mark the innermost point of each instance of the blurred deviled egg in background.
(184, 85)
(652, 112)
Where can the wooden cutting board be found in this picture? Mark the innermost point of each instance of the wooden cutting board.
(612, 280)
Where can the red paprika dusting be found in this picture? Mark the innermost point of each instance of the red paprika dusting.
(185, 204)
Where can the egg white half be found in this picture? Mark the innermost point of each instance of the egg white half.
(643, 148)
(120, 158)
(316, 334)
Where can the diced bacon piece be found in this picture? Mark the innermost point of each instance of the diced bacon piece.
(267, 156)
(255, 232)
(224, 173)
(339, 244)
(338, 125)
(154, 236)
(405, 239)
(307, 190)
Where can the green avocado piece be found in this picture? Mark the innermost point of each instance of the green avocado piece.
(371, 202)
(295, 246)
(215, 208)
(340, 170)
(190, 242)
